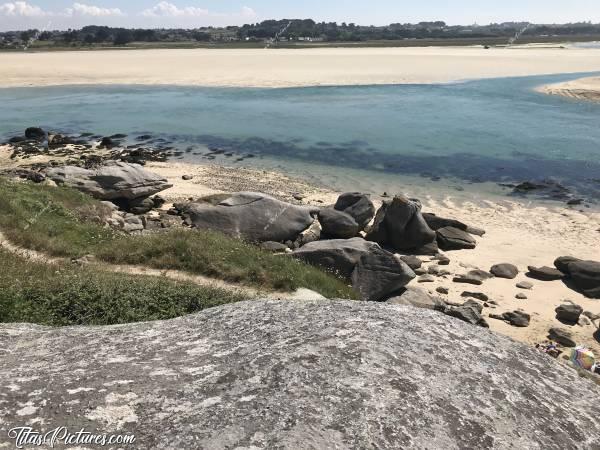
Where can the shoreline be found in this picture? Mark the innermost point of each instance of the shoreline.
(290, 68)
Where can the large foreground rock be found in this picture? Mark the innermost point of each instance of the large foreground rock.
(297, 375)
(253, 216)
(337, 255)
(114, 180)
(400, 225)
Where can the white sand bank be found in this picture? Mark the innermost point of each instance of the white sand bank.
(280, 68)
(582, 89)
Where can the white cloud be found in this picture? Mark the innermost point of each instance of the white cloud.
(21, 9)
(79, 9)
(166, 9)
(248, 12)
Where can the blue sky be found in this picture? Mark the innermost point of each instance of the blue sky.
(17, 14)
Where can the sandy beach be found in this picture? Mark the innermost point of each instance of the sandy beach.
(582, 89)
(285, 68)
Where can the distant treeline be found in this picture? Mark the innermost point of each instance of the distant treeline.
(294, 30)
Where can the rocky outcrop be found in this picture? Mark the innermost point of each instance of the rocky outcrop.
(337, 255)
(297, 374)
(337, 224)
(379, 273)
(400, 225)
(251, 215)
(113, 180)
(357, 205)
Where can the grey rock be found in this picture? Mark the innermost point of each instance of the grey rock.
(187, 177)
(590, 315)
(583, 321)
(468, 313)
(419, 298)
(357, 205)
(562, 263)
(430, 249)
(465, 279)
(478, 295)
(437, 222)
(437, 271)
(337, 224)
(399, 224)
(113, 180)
(442, 260)
(132, 223)
(140, 205)
(505, 270)
(450, 238)
(378, 274)
(158, 201)
(475, 277)
(35, 133)
(311, 234)
(562, 336)
(569, 313)
(412, 261)
(275, 247)
(528, 285)
(426, 279)
(420, 271)
(474, 304)
(521, 296)
(515, 318)
(544, 273)
(251, 215)
(476, 231)
(481, 274)
(442, 290)
(337, 255)
(298, 374)
(584, 276)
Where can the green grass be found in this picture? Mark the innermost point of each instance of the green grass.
(56, 295)
(63, 222)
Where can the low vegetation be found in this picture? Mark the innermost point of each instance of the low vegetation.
(63, 222)
(298, 32)
(57, 295)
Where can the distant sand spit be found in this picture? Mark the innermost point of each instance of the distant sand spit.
(286, 68)
(582, 89)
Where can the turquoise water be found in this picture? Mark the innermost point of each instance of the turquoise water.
(496, 130)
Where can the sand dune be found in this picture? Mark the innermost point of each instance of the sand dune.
(280, 68)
